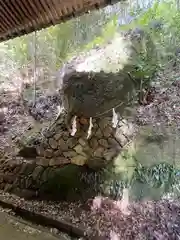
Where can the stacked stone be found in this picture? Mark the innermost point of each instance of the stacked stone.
(59, 148)
(23, 178)
(104, 143)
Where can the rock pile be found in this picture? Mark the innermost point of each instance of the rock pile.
(105, 142)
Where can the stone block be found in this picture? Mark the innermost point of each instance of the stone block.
(99, 133)
(121, 139)
(79, 149)
(82, 142)
(99, 152)
(58, 161)
(93, 142)
(109, 154)
(114, 143)
(42, 161)
(57, 136)
(37, 172)
(96, 163)
(104, 143)
(127, 129)
(107, 131)
(66, 135)
(79, 160)
(69, 154)
(44, 176)
(57, 153)
(62, 145)
(40, 150)
(71, 142)
(48, 153)
(53, 143)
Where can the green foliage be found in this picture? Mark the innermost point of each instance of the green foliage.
(56, 44)
(110, 28)
(157, 175)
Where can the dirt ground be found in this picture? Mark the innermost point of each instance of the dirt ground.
(11, 228)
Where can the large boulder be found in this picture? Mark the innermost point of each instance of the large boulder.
(92, 94)
(108, 78)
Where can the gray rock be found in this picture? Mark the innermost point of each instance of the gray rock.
(57, 136)
(71, 142)
(104, 143)
(104, 122)
(101, 90)
(82, 142)
(114, 143)
(37, 172)
(99, 152)
(40, 150)
(107, 131)
(66, 135)
(42, 161)
(99, 133)
(79, 160)
(53, 144)
(57, 153)
(58, 161)
(44, 176)
(48, 153)
(93, 142)
(79, 149)
(69, 154)
(62, 145)
(96, 163)
(121, 138)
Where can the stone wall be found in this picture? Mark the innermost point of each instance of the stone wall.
(62, 159)
(29, 180)
(58, 147)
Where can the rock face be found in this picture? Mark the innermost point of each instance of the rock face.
(109, 78)
(92, 94)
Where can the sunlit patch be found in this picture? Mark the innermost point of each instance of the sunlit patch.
(111, 58)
